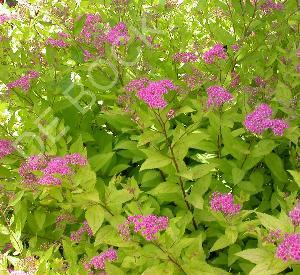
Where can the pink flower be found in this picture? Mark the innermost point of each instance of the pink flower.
(98, 262)
(235, 47)
(56, 43)
(224, 203)
(217, 96)
(4, 18)
(260, 82)
(269, 6)
(185, 57)
(214, 53)
(273, 236)
(51, 168)
(24, 81)
(148, 226)
(77, 235)
(171, 114)
(87, 56)
(49, 180)
(295, 215)
(137, 84)
(6, 148)
(289, 249)
(153, 93)
(118, 35)
(260, 120)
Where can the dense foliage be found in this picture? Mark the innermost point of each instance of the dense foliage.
(149, 137)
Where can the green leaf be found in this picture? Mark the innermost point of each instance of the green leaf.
(264, 147)
(198, 171)
(198, 190)
(229, 238)
(95, 216)
(40, 217)
(275, 164)
(255, 255)
(296, 176)
(154, 160)
(99, 161)
(237, 175)
(273, 223)
(78, 25)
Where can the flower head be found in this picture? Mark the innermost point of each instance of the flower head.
(56, 43)
(153, 93)
(6, 148)
(148, 226)
(295, 215)
(216, 52)
(185, 57)
(289, 248)
(77, 235)
(217, 96)
(224, 203)
(118, 35)
(24, 81)
(268, 6)
(260, 120)
(98, 262)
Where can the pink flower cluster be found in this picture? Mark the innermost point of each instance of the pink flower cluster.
(92, 34)
(269, 6)
(118, 35)
(65, 218)
(24, 81)
(148, 226)
(77, 235)
(52, 168)
(273, 236)
(56, 43)
(224, 203)
(215, 52)
(6, 148)
(90, 28)
(260, 82)
(152, 95)
(295, 215)
(4, 18)
(289, 249)
(98, 262)
(137, 84)
(260, 120)
(235, 47)
(185, 57)
(217, 96)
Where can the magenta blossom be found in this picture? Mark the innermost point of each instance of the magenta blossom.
(56, 43)
(216, 52)
(98, 262)
(260, 120)
(6, 148)
(153, 93)
(268, 6)
(53, 169)
(77, 235)
(24, 81)
(185, 57)
(148, 226)
(295, 215)
(224, 203)
(217, 96)
(118, 35)
(137, 84)
(289, 248)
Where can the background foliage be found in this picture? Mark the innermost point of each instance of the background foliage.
(143, 161)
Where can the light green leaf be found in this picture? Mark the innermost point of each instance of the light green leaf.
(95, 216)
(154, 160)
